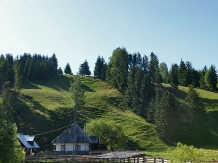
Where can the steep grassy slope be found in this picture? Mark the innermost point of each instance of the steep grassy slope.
(45, 109)
(46, 106)
(210, 102)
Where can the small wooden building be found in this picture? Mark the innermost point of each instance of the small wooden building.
(28, 143)
(65, 141)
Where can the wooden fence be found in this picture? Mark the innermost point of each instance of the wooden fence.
(79, 159)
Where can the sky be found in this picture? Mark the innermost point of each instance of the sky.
(79, 30)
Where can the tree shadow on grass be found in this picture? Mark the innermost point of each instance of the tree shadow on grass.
(34, 119)
(178, 93)
(60, 82)
(211, 103)
(29, 85)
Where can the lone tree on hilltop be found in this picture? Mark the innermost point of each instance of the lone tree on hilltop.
(67, 69)
(84, 69)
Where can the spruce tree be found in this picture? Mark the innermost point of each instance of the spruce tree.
(189, 71)
(8, 102)
(84, 69)
(60, 71)
(154, 69)
(202, 78)
(173, 76)
(100, 68)
(18, 76)
(165, 114)
(195, 128)
(182, 74)
(211, 78)
(117, 70)
(164, 72)
(67, 69)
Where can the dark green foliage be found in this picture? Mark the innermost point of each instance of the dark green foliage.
(154, 69)
(165, 114)
(18, 76)
(60, 71)
(6, 68)
(211, 78)
(194, 125)
(100, 68)
(84, 69)
(8, 102)
(173, 76)
(12, 151)
(53, 65)
(189, 70)
(195, 76)
(164, 72)
(202, 78)
(139, 90)
(182, 74)
(117, 70)
(194, 102)
(67, 69)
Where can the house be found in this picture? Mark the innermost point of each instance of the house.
(28, 143)
(65, 141)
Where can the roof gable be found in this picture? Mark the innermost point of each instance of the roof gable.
(25, 139)
(68, 136)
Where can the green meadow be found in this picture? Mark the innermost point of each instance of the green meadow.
(45, 109)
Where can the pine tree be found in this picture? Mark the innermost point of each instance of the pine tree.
(8, 102)
(117, 70)
(202, 78)
(84, 69)
(164, 72)
(189, 71)
(10, 61)
(67, 69)
(195, 76)
(154, 69)
(182, 74)
(100, 68)
(165, 114)
(54, 65)
(211, 78)
(195, 128)
(173, 76)
(60, 71)
(13, 151)
(18, 76)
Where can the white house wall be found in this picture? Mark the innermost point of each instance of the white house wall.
(70, 146)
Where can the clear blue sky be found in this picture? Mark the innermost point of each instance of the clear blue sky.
(76, 30)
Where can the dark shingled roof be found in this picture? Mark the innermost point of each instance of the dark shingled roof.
(68, 136)
(94, 139)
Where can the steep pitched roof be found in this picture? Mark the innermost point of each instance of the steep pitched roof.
(68, 136)
(25, 139)
(94, 139)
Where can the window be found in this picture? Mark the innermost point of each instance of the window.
(62, 147)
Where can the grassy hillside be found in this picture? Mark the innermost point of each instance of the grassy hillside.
(46, 106)
(45, 109)
(210, 102)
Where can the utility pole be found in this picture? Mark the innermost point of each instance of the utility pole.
(74, 129)
(85, 132)
(77, 93)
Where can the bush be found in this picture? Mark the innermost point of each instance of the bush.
(183, 153)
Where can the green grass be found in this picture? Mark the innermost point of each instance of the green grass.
(44, 106)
